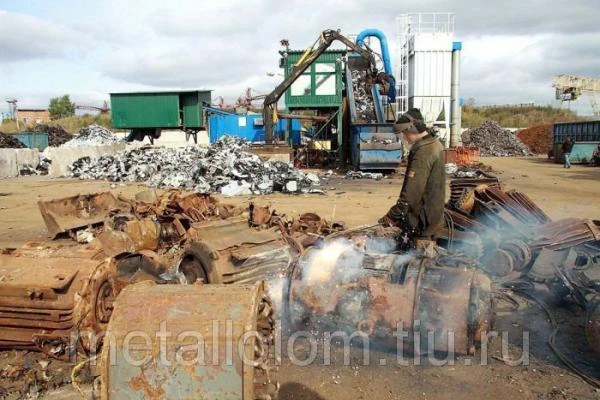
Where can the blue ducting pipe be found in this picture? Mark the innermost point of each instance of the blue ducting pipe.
(385, 54)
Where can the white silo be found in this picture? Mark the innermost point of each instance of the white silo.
(424, 67)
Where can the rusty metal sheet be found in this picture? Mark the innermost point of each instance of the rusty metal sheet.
(221, 235)
(136, 235)
(69, 213)
(214, 373)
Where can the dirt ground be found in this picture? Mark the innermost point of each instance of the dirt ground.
(560, 192)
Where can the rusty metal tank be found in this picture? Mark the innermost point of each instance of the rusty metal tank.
(218, 343)
(343, 288)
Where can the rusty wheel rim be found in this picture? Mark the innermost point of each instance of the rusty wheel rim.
(104, 302)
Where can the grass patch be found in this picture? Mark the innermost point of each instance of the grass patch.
(516, 117)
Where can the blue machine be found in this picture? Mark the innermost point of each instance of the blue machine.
(250, 127)
(372, 145)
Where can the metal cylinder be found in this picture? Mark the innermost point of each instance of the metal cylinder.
(455, 108)
(190, 341)
(379, 295)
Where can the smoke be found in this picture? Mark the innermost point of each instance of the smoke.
(320, 266)
(275, 288)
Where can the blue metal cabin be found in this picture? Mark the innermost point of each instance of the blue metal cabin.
(251, 127)
(586, 136)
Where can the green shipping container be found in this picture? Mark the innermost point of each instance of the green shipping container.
(320, 85)
(164, 110)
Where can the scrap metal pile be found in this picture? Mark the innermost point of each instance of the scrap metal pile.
(363, 98)
(223, 167)
(92, 135)
(57, 135)
(363, 175)
(493, 140)
(515, 239)
(10, 142)
(335, 279)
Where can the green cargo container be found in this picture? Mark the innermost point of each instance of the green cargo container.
(320, 86)
(162, 110)
(145, 114)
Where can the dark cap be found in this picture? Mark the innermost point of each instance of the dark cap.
(411, 122)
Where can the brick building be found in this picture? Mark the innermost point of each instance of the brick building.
(32, 116)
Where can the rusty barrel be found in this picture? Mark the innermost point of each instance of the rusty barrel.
(190, 342)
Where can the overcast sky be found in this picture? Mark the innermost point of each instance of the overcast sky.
(511, 48)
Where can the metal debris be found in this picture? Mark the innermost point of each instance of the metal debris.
(67, 214)
(493, 140)
(363, 97)
(223, 167)
(10, 142)
(48, 294)
(92, 135)
(57, 135)
(364, 175)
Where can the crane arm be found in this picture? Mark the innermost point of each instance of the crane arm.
(576, 84)
(570, 87)
(325, 40)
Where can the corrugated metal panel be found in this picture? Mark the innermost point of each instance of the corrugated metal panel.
(145, 110)
(33, 140)
(320, 85)
(585, 131)
(249, 127)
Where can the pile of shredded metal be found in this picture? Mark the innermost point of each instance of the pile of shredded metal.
(223, 167)
(57, 135)
(363, 98)
(9, 142)
(92, 135)
(495, 141)
(364, 175)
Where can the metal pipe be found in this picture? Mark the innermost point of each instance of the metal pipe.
(455, 107)
(385, 53)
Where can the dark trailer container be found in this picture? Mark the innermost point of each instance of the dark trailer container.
(148, 113)
(585, 135)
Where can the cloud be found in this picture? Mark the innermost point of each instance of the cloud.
(25, 37)
(512, 49)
